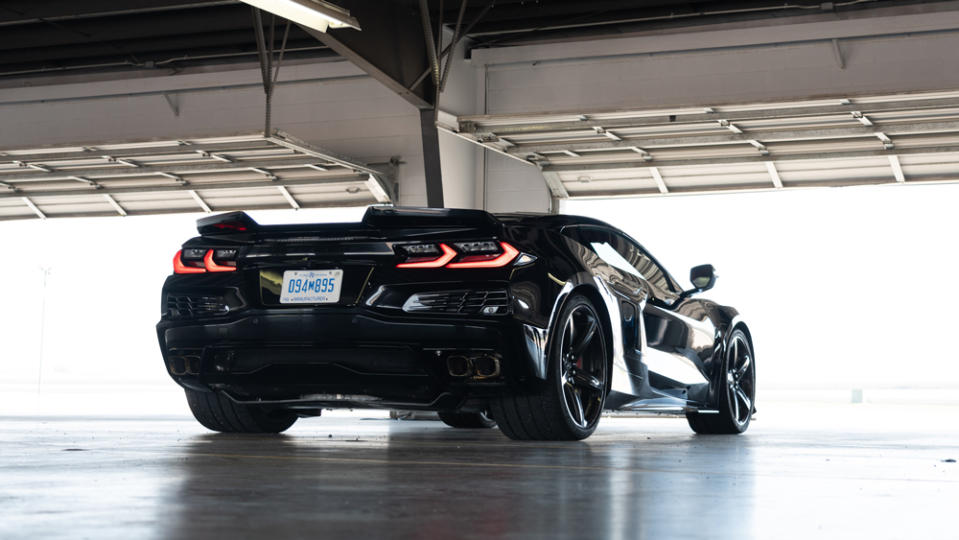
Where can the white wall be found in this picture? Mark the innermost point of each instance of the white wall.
(513, 186)
(880, 51)
(736, 75)
(459, 157)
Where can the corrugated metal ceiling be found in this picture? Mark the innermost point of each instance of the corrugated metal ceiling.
(183, 175)
(905, 138)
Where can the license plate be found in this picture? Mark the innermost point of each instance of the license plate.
(311, 286)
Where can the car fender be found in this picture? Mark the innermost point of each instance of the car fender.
(585, 282)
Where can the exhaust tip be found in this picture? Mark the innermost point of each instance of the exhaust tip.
(192, 365)
(486, 367)
(458, 366)
(184, 365)
(177, 365)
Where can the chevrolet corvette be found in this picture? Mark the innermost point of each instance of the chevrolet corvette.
(536, 324)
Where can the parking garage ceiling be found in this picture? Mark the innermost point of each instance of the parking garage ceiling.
(904, 138)
(182, 175)
(846, 140)
(63, 36)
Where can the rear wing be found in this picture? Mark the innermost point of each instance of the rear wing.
(376, 218)
(385, 217)
(229, 223)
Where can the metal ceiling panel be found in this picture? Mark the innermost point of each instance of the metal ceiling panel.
(183, 175)
(899, 138)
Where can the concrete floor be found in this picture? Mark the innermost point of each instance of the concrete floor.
(844, 472)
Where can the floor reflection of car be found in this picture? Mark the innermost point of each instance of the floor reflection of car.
(534, 323)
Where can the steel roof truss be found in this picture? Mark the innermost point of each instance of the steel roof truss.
(152, 176)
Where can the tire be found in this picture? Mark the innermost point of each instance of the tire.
(735, 392)
(568, 406)
(217, 412)
(467, 420)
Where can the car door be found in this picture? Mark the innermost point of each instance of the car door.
(625, 281)
(675, 342)
(664, 341)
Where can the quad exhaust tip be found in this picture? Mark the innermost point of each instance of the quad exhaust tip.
(184, 365)
(477, 367)
(458, 366)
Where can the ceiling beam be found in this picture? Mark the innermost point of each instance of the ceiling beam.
(806, 27)
(189, 189)
(750, 137)
(326, 203)
(390, 48)
(641, 164)
(774, 174)
(157, 170)
(751, 188)
(199, 200)
(288, 141)
(30, 204)
(535, 123)
(897, 169)
(116, 206)
(289, 198)
(117, 30)
(660, 183)
(30, 11)
(555, 184)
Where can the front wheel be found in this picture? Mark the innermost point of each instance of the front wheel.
(568, 406)
(217, 412)
(735, 392)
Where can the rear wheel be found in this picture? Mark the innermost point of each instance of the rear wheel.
(736, 394)
(479, 420)
(568, 406)
(219, 413)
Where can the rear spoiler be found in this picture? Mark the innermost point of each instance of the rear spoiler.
(376, 217)
(385, 217)
(229, 223)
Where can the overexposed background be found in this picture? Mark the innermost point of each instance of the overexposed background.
(846, 290)
(843, 288)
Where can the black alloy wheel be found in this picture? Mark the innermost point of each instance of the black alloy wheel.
(736, 392)
(583, 367)
(570, 403)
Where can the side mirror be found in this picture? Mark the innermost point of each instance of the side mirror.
(703, 277)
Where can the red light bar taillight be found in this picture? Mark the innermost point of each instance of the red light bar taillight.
(212, 266)
(209, 265)
(492, 260)
(483, 261)
(180, 268)
(447, 256)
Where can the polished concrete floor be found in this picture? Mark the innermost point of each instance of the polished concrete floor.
(800, 472)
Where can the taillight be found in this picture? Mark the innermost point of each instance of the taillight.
(180, 268)
(428, 262)
(488, 261)
(212, 266)
(199, 261)
(482, 254)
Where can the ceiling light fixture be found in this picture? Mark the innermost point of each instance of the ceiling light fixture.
(314, 14)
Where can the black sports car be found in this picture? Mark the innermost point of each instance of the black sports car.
(536, 323)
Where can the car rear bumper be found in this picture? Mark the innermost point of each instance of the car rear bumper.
(349, 357)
